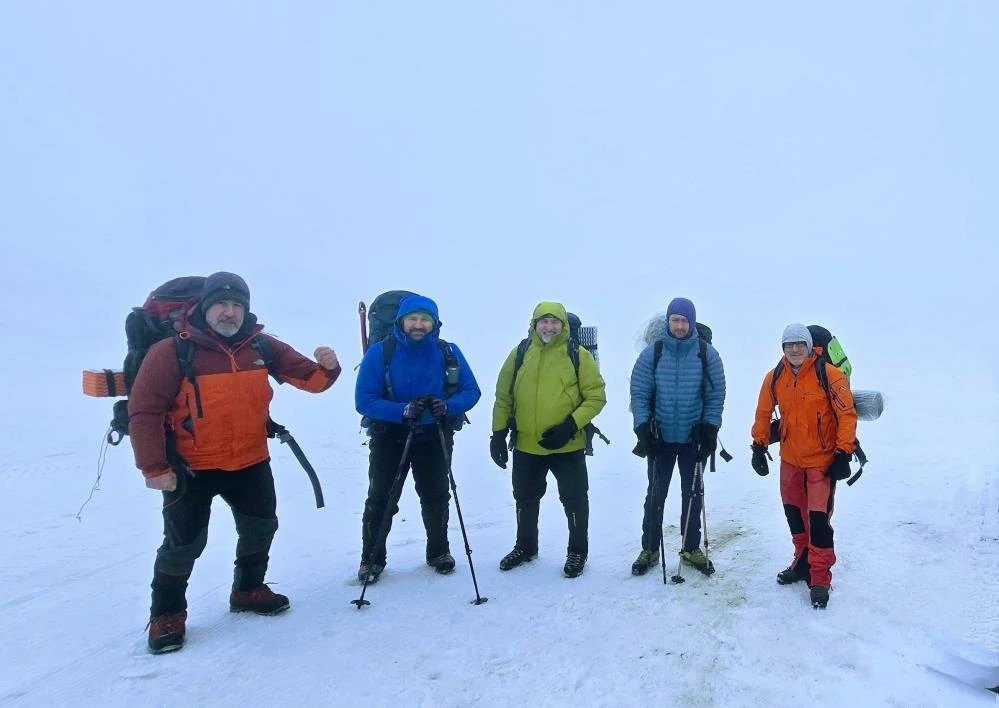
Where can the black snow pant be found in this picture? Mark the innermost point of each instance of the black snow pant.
(530, 474)
(426, 459)
(660, 472)
(250, 494)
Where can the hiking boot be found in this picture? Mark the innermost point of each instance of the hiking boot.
(791, 575)
(819, 595)
(698, 560)
(166, 632)
(516, 557)
(645, 561)
(574, 563)
(443, 564)
(261, 600)
(370, 572)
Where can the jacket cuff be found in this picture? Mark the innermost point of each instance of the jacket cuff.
(156, 472)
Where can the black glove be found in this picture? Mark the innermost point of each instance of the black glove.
(438, 408)
(705, 436)
(497, 448)
(760, 460)
(645, 441)
(413, 410)
(559, 435)
(840, 467)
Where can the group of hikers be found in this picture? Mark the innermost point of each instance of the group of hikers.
(198, 415)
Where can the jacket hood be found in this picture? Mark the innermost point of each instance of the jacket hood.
(549, 308)
(417, 303)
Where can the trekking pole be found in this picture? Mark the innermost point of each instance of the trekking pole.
(678, 578)
(699, 476)
(461, 522)
(393, 499)
(654, 469)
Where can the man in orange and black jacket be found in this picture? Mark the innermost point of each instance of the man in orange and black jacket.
(818, 433)
(198, 430)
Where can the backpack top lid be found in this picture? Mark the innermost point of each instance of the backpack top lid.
(173, 296)
(820, 336)
(382, 314)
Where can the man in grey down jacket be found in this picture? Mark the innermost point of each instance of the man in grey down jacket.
(677, 406)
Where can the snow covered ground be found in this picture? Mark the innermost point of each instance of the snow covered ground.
(492, 156)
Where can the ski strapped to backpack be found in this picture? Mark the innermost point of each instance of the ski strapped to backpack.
(823, 377)
(572, 345)
(704, 335)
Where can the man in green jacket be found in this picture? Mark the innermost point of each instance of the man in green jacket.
(548, 390)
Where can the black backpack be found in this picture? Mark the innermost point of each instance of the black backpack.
(155, 321)
(382, 316)
(588, 342)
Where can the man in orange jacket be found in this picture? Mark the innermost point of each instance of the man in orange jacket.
(818, 432)
(198, 413)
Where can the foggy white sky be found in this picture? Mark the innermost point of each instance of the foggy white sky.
(773, 163)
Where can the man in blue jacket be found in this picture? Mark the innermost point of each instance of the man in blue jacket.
(677, 405)
(418, 388)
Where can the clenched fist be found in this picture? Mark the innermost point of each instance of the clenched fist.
(326, 358)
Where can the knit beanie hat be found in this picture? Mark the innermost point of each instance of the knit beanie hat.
(797, 333)
(224, 286)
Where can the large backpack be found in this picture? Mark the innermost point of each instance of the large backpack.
(579, 335)
(832, 350)
(382, 316)
(156, 320)
(831, 353)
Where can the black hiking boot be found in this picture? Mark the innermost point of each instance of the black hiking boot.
(645, 561)
(166, 632)
(370, 572)
(516, 557)
(792, 575)
(260, 600)
(819, 595)
(443, 564)
(574, 563)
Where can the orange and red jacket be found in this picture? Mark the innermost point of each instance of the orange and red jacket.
(231, 431)
(810, 430)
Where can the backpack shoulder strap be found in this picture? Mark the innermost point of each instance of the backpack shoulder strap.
(519, 361)
(185, 358)
(773, 380)
(451, 363)
(572, 345)
(702, 353)
(388, 351)
(262, 343)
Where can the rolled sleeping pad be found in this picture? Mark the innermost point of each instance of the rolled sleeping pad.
(869, 404)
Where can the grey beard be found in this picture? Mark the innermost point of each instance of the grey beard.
(226, 329)
(546, 338)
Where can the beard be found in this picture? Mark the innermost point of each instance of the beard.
(546, 338)
(226, 328)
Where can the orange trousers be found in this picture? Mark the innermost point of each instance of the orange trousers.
(809, 490)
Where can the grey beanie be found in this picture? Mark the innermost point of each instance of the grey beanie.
(795, 332)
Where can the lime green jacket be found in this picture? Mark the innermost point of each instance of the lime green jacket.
(546, 389)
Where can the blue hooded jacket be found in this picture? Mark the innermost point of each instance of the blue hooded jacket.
(416, 370)
(677, 385)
